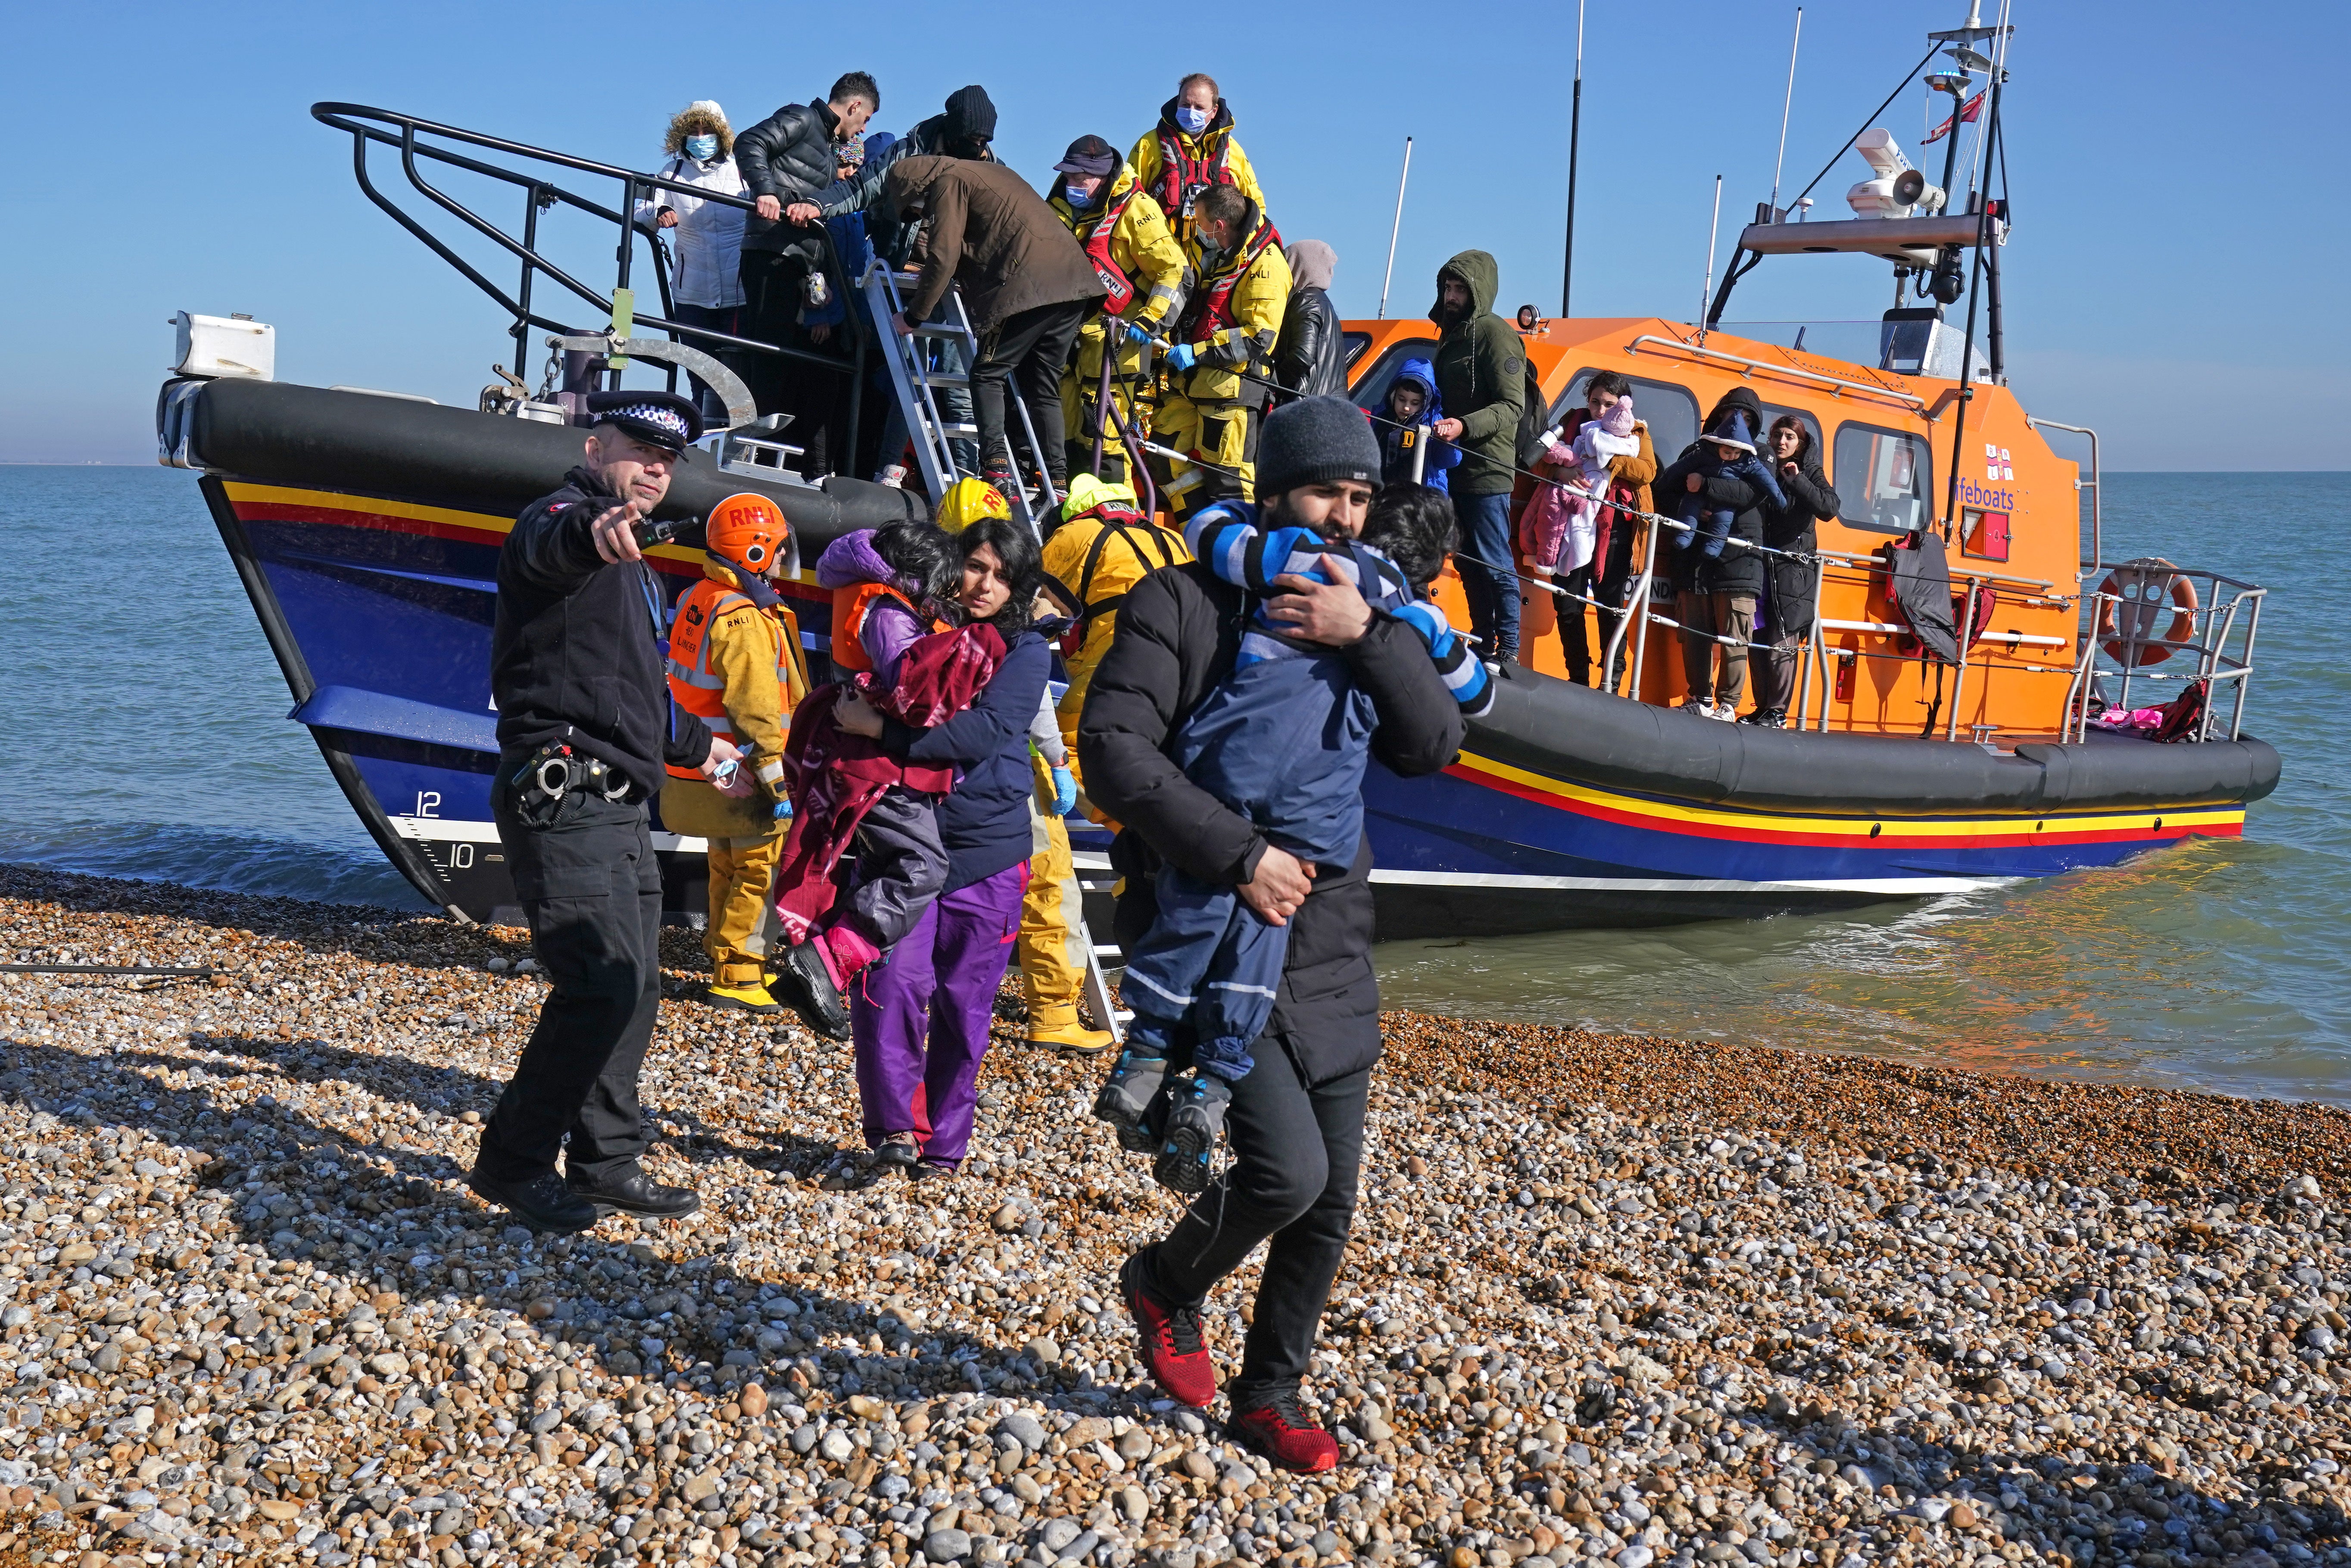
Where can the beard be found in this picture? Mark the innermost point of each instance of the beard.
(1452, 315)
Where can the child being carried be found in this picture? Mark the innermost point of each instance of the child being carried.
(1733, 438)
(1283, 741)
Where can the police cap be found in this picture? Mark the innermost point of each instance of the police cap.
(657, 419)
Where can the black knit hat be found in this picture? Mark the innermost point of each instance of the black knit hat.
(1313, 441)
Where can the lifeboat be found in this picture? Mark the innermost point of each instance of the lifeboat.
(2078, 713)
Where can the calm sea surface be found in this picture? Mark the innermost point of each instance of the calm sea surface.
(146, 736)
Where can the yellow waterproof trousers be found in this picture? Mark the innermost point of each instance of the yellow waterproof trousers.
(1128, 391)
(742, 931)
(1220, 434)
(1051, 949)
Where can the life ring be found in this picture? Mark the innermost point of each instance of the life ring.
(2128, 626)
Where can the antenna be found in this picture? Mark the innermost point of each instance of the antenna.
(1714, 228)
(1574, 136)
(1786, 104)
(1395, 229)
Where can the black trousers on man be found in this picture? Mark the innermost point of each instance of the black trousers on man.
(1297, 1150)
(592, 892)
(1029, 348)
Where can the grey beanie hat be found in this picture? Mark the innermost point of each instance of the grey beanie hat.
(1312, 441)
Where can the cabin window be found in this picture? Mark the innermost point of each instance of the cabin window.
(1370, 389)
(1883, 480)
(1351, 348)
(1669, 411)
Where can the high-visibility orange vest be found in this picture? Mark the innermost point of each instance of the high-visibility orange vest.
(850, 605)
(696, 688)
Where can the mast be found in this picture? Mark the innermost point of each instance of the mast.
(1394, 229)
(1713, 232)
(1785, 105)
(1575, 137)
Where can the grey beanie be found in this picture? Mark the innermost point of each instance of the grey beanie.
(1313, 441)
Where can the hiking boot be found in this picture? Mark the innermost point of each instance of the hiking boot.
(543, 1202)
(748, 998)
(1059, 1028)
(809, 988)
(1173, 1351)
(1195, 1121)
(1281, 1431)
(1126, 1097)
(629, 1190)
(898, 1152)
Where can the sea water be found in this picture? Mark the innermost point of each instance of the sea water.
(147, 737)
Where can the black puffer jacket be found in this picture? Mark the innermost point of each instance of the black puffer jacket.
(1178, 631)
(1789, 604)
(788, 156)
(1735, 571)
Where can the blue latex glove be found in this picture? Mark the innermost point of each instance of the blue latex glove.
(1137, 333)
(1182, 356)
(783, 812)
(1065, 792)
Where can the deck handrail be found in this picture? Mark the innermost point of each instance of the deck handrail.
(1889, 393)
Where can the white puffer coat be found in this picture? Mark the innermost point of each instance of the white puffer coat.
(708, 239)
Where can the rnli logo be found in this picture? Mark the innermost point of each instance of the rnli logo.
(1997, 466)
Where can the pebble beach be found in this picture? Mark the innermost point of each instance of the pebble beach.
(1611, 1299)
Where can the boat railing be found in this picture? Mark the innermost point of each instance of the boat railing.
(1837, 385)
(419, 141)
(2217, 621)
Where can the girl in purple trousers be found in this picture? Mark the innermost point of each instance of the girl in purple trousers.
(920, 1012)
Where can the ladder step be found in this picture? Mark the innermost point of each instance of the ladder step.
(957, 430)
(938, 330)
(945, 379)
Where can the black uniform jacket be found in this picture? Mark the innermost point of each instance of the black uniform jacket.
(576, 651)
(1178, 632)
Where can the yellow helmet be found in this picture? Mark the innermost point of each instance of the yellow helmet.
(967, 501)
(1087, 493)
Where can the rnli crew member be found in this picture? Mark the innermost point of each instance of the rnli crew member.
(1190, 150)
(1240, 290)
(1136, 254)
(735, 663)
(786, 160)
(576, 677)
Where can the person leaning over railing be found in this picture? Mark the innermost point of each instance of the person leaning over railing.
(1789, 604)
(786, 160)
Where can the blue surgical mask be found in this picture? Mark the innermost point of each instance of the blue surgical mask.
(1087, 200)
(1193, 120)
(703, 147)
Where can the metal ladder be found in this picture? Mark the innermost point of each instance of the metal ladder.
(1106, 1011)
(913, 377)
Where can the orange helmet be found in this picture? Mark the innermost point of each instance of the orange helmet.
(748, 529)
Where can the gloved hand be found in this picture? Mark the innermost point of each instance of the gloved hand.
(783, 812)
(1065, 792)
(1136, 332)
(1182, 356)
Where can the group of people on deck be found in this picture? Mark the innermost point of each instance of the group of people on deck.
(1208, 671)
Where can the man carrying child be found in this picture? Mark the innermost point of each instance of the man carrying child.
(1294, 1112)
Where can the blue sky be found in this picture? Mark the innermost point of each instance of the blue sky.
(2181, 226)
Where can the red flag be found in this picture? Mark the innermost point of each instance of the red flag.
(1967, 112)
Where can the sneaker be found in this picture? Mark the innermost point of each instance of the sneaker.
(747, 998)
(1726, 712)
(543, 1202)
(1195, 1121)
(895, 476)
(1126, 1097)
(629, 1190)
(899, 1151)
(1281, 1430)
(931, 1169)
(807, 986)
(1173, 1350)
(1774, 719)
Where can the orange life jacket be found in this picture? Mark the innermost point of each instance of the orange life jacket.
(850, 605)
(1114, 278)
(695, 686)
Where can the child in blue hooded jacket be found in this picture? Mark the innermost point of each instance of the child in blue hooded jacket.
(1413, 403)
(1283, 741)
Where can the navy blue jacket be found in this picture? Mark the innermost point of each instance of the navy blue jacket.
(984, 822)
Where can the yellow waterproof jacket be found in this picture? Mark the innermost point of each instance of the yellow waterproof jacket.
(1140, 244)
(1091, 561)
(1234, 328)
(1150, 171)
(757, 655)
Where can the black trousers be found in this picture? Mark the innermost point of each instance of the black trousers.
(1297, 1150)
(726, 318)
(1030, 349)
(592, 891)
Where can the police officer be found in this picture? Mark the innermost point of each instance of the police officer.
(585, 728)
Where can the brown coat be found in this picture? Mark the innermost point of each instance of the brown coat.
(988, 232)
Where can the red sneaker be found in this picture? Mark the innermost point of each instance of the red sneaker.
(1173, 1350)
(1279, 1430)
